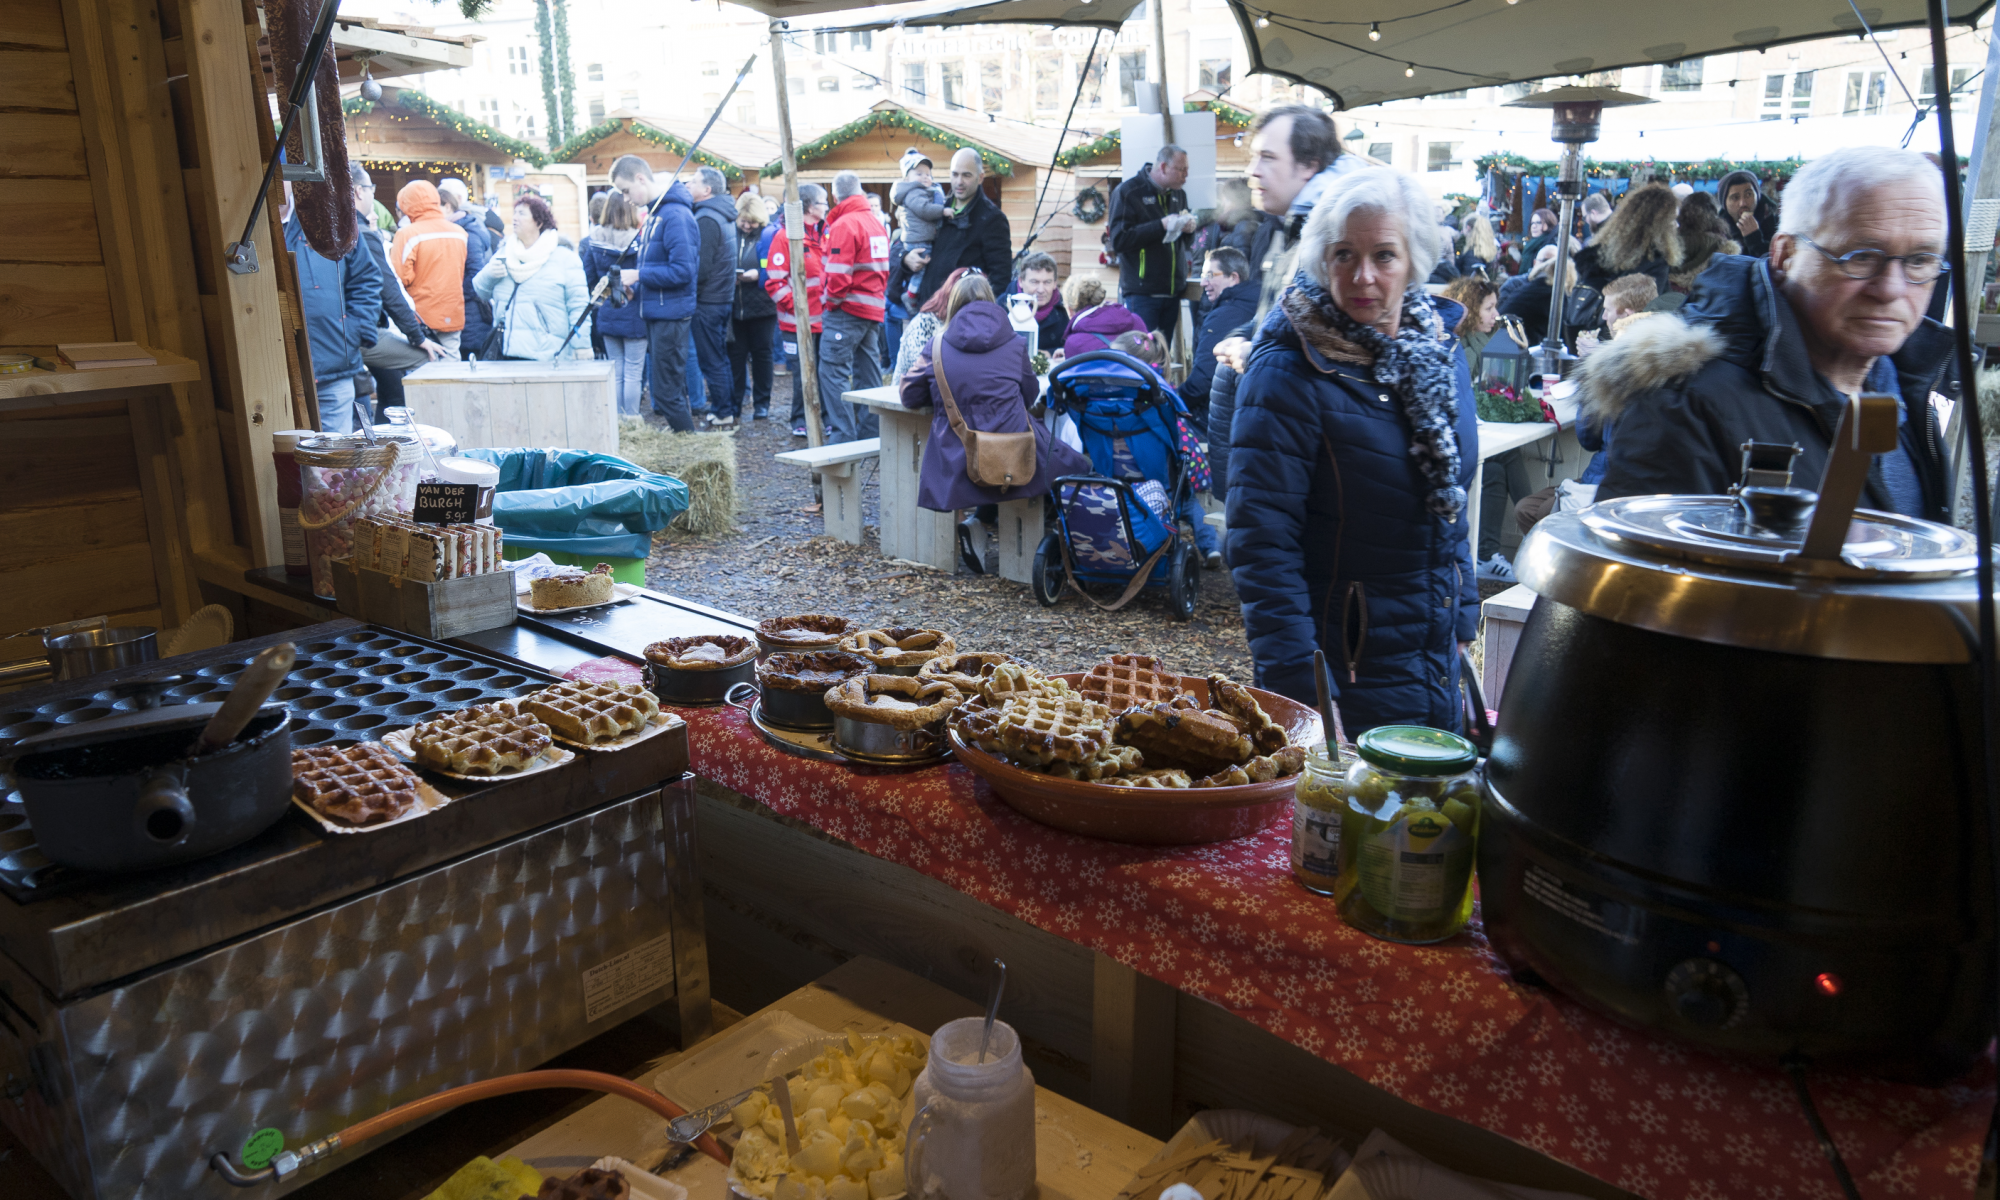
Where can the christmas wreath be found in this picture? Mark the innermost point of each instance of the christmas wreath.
(1090, 206)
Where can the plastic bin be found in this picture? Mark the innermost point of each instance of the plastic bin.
(581, 508)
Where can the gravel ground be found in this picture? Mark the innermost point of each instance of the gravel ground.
(779, 562)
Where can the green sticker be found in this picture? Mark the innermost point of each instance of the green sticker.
(261, 1147)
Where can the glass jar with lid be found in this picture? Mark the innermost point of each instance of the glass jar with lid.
(1317, 804)
(1408, 832)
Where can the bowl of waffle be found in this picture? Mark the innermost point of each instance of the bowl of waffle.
(1131, 751)
(699, 669)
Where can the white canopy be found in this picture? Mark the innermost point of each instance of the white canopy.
(860, 14)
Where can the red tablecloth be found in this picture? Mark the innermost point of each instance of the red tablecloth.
(1443, 1026)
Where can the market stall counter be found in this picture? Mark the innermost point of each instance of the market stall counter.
(314, 974)
(1157, 979)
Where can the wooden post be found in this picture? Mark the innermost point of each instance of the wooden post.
(795, 233)
(1160, 51)
(1132, 1046)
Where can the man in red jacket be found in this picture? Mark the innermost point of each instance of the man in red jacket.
(857, 282)
(778, 282)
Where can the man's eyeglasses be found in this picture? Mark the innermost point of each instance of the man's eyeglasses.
(1867, 264)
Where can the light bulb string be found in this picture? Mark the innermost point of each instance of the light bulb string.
(1389, 20)
(1486, 80)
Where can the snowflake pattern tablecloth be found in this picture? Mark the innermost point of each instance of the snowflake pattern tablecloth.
(1444, 1027)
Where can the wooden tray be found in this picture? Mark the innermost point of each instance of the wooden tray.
(1149, 816)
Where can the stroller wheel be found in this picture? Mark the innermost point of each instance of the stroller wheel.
(1183, 580)
(1047, 580)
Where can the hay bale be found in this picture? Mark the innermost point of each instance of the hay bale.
(706, 462)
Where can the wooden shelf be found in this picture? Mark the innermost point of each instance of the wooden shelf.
(65, 385)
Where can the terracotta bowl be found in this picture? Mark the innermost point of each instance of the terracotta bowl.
(1149, 816)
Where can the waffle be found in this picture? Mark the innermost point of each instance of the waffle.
(898, 701)
(904, 646)
(703, 652)
(1002, 682)
(805, 631)
(962, 671)
(485, 739)
(588, 713)
(1261, 769)
(813, 672)
(1102, 767)
(1125, 680)
(587, 1184)
(1178, 734)
(1233, 698)
(1045, 729)
(1163, 777)
(357, 785)
(979, 723)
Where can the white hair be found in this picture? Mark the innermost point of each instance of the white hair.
(456, 189)
(1372, 190)
(1824, 187)
(846, 184)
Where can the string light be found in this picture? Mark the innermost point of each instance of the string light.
(1374, 31)
(1410, 71)
(1263, 22)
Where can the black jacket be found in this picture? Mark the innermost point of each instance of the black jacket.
(395, 305)
(1594, 274)
(977, 236)
(1147, 264)
(1050, 330)
(1684, 391)
(715, 270)
(752, 301)
(1232, 309)
(1530, 302)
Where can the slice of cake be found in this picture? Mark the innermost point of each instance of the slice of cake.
(568, 589)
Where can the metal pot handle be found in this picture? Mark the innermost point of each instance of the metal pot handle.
(1478, 730)
(730, 697)
(922, 739)
(164, 813)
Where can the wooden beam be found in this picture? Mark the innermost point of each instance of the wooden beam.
(1132, 1047)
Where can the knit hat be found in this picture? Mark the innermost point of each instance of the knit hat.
(1735, 178)
(912, 157)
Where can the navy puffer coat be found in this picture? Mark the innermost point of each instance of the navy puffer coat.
(1330, 542)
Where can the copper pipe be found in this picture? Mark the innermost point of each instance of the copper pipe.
(526, 1081)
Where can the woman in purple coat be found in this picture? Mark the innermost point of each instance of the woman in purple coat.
(992, 385)
(1095, 321)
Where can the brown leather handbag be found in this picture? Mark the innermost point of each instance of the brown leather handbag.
(995, 460)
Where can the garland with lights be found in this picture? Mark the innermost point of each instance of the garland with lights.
(572, 150)
(1704, 171)
(447, 116)
(891, 118)
(1225, 113)
(1095, 148)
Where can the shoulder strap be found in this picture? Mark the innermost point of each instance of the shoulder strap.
(951, 412)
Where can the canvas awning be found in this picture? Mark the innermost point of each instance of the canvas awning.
(1428, 47)
(858, 14)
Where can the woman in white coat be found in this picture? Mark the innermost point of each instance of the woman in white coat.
(535, 286)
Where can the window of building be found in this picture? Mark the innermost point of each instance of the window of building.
(861, 83)
(825, 43)
(597, 111)
(1215, 63)
(1048, 82)
(1131, 73)
(489, 111)
(594, 72)
(1927, 90)
(711, 67)
(517, 60)
(1382, 151)
(991, 92)
(1682, 76)
(951, 82)
(1092, 84)
(1443, 156)
(1787, 95)
(861, 39)
(1866, 90)
(528, 127)
(913, 81)
(746, 110)
(829, 83)
(629, 101)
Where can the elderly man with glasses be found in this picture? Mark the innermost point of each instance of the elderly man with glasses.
(1771, 350)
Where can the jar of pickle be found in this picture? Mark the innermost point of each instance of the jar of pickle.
(1408, 832)
(1317, 804)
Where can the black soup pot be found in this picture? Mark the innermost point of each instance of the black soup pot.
(1736, 792)
(125, 794)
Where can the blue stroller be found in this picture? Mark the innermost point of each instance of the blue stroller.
(1118, 526)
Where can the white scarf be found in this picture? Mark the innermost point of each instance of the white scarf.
(524, 261)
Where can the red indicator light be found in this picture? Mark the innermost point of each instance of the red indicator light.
(1827, 983)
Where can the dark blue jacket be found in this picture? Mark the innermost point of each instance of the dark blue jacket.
(669, 257)
(478, 318)
(1232, 309)
(342, 301)
(1330, 542)
(613, 320)
(715, 278)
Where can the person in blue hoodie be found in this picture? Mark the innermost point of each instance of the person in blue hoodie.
(342, 303)
(452, 198)
(1356, 440)
(668, 262)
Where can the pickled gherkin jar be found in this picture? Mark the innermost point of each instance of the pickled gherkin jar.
(1408, 832)
(1317, 805)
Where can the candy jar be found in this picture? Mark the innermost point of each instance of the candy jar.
(973, 1135)
(344, 478)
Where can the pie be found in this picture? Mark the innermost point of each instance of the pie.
(809, 672)
(702, 652)
(359, 785)
(898, 701)
(486, 739)
(588, 713)
(806, 631)
(962, 671)
(568, 589)
(1001, 682)
(902, 647)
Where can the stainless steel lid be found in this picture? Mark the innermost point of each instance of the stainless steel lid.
(1702, 567)
(165, 719)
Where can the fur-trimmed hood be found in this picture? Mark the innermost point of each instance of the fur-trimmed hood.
(1645, 355)
(1645, 226)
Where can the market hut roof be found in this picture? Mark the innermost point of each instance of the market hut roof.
(408, 126)
(1001, 143)
(390, 49)
(733, 149)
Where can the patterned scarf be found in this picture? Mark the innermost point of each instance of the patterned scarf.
(1418, 367)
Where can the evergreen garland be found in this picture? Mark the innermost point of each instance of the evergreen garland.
(545, 39)
(567, 69)
(450, 118)
(1704, 171)
(572, 150)
(1095, 148)
(889, 118)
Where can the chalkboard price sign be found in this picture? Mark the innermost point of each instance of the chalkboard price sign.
(446, 503)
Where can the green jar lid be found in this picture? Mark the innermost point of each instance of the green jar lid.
(1416, 750)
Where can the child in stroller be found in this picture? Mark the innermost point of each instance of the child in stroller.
(1151, 348)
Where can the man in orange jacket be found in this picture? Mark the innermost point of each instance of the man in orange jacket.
(429, 257)
(778, 281)
(857, 285)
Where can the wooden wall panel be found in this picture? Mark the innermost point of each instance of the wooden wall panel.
(33, 23)
(61, 214)
(36, 80)
(44, 145)
(74, 530)
(42, 304)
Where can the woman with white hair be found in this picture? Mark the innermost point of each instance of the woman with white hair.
(1354, 443)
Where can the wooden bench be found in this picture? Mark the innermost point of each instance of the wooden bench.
(841, 468)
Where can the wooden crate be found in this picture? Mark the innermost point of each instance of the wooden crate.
(537, 405)
(430, 610)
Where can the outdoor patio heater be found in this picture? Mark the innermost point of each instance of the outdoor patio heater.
(1577, 111)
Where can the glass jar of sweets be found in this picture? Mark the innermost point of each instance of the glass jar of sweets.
(1408, 831)
(1317, 804)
